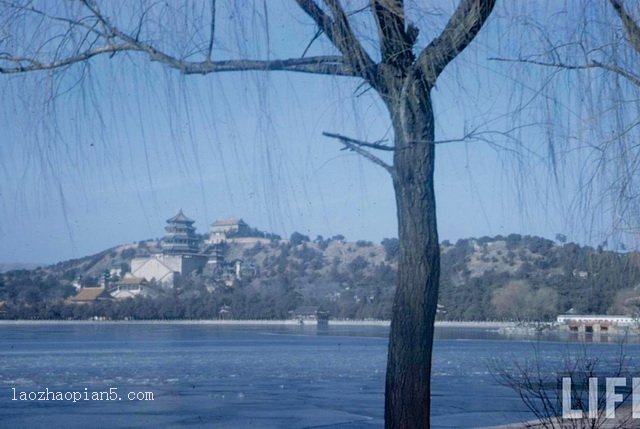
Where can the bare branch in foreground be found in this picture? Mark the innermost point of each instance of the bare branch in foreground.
(593, 64)
(339, 32)
(375, 145)
(115, 40)
(317, 65)
(356, 146)
(632, 28)
(212, 29)
(467, 20)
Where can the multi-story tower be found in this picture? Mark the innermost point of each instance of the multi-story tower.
(181, 236)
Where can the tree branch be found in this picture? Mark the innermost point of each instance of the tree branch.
(340, 34)
(116, 41)
(212, 29)
(463, 26)
(633, 30)
(328, 65)
(318, 65)
(313, 39)
(355, 146)
(471, 135)
(34, 64)
(395, 43)
(347, 42)
(593, 64)
(374, 145)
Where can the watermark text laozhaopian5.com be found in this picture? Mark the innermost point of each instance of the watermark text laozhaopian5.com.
(610, 400)
(110, 394)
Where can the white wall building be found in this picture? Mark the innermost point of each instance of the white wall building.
(166, 269)
(596, 322)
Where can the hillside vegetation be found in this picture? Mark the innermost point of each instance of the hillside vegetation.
(505, 278)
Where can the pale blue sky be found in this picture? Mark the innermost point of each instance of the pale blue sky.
(140, 142)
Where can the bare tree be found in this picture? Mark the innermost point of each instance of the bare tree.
(627, 301)
(540, 389)
(403, 77)
(518, 301)
(512, 300)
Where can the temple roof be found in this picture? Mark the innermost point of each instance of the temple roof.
(88, 294)
(180, 217)
(132, 281)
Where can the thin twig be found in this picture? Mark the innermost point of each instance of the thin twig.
(355, 146)
(375, 145)
(593, 64)
(212, 29)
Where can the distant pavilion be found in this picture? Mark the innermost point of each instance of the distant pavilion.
(181, 236)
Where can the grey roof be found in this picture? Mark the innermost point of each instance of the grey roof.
(180, 217)
(88, 294)
(132, 281)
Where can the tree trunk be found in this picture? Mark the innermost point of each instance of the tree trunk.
(407, 396)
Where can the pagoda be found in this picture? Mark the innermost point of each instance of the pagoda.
(181, 236)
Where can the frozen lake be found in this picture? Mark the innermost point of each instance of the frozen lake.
(214, 376)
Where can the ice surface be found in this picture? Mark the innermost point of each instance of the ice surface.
(209, 376)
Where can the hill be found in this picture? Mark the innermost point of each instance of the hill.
(514, 277)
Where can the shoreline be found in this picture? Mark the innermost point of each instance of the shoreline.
(382, 323)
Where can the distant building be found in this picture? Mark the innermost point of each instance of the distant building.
(595, 323)
(166, 269)
(310, 313)
(116, 272)
(159, 267)
(130, 287)
(223, 229)
(180, 254)
(85, 282)
(88, 295)
(181, 236)
(216, 254)
(244, 269)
